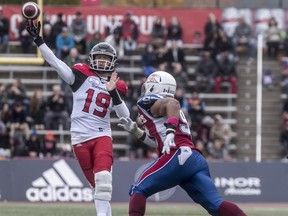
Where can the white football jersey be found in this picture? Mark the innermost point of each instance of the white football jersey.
(92, 106)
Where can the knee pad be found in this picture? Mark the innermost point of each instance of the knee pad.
(103, 185)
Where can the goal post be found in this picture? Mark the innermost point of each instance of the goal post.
(38, 60)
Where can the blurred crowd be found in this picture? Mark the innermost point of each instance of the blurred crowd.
(22, 117)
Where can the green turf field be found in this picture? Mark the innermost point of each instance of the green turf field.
(28, 209)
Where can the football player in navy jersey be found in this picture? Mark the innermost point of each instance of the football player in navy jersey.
(180, 162)
(94, 95)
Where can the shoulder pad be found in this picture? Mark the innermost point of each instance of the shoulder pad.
(83, 68)
(147, 101)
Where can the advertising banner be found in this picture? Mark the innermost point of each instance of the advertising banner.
(63, 181)
(192, 20)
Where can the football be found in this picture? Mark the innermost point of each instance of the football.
(30, 10)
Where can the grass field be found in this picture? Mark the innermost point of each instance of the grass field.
(171, 209)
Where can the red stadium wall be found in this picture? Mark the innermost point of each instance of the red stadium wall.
(97, 17)
(192, 20)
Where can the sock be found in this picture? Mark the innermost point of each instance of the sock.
(137, 205)
(102, 207)
(230, 209)
(109, 212)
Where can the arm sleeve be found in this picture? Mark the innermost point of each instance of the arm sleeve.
(64, 71)
(122, 110)
(149, 141)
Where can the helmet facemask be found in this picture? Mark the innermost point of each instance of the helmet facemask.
(102, 58)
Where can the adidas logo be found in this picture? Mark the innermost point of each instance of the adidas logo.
(59, 183)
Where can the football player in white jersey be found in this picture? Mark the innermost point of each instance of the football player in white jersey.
(94, 96)
(180, 162)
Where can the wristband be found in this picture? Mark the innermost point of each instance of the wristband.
(171, 124)
(115, 97)
(173, 121)
(39, 41)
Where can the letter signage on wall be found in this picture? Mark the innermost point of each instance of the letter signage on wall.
(63, 181)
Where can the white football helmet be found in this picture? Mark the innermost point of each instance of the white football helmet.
(159, 82)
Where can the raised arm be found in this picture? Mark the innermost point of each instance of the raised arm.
(62, 69)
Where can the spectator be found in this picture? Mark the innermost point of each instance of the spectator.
(161, 59)
(224, 44)
(5, 112)
(285, 76)
(202, 136)
(130, 34)
(96, 38)
(17, 93)
(197, 41)
(72, 59)
(243, 36)
(18, 121)
(79, 32)
(284, 114)
(226, 73)
(58, 25)
(46, 18)
(116, 41)
(4, 31)
(212, 26)
(269, 81)
(196, 110)
(25, 39)
(284, 139)
(37, 110)
(57, 110)
(205, 73)
(49, 37)
(174, 32)
(34, 144)
(3, 95)
(180, 96)
(211, 45)
(179, 75)
(64, 43)
(273, 38)
(218, 150)
(197, 38)
(49, 145)
(158, 34)
(4, 140)
(175, 54)
(148, 60)
(19, 149)
(111, 26)
(221, 130)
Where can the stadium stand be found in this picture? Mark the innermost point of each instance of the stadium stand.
(233, 107)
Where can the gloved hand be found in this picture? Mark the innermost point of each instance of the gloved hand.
(32, 29)
(170, 124)
(127, 124)
(169, 141)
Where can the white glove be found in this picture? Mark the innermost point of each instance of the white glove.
(130, 126)
(169, 141)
